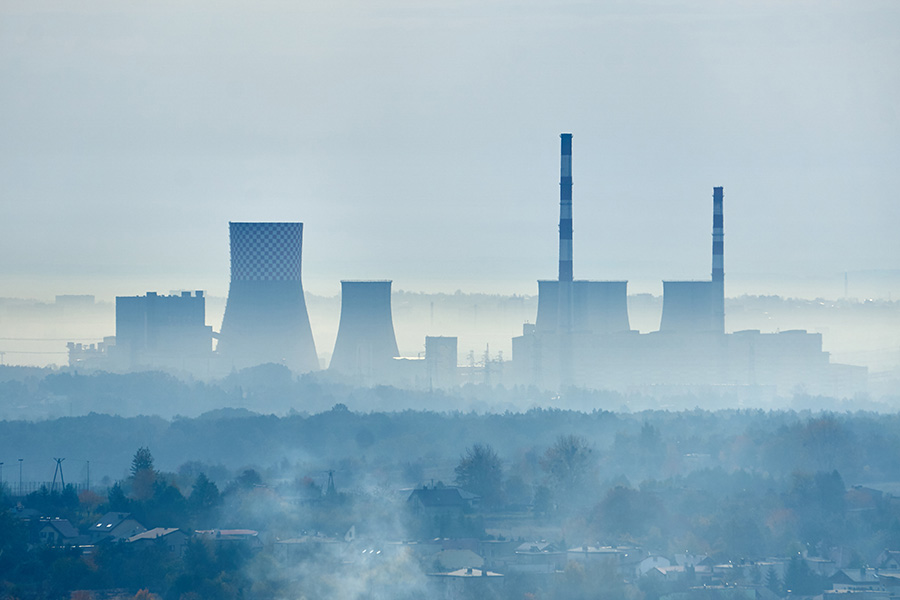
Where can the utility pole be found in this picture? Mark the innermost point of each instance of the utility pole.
(1, 477)
(20, 476)
(88, 474)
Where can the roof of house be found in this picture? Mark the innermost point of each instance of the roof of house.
(109, 521)
(599, 550)
(227, 534)
(855, 576)
(63, 526)
(541, 547)
(469, 573)
(440, 497)
(152, 534)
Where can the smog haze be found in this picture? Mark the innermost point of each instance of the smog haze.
(415, 141)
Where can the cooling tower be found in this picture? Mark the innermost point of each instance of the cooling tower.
(265, 317)
(365, 341)
(597, 306)
(601, 306)
(699, 306)
(548, 306)
(687, 306)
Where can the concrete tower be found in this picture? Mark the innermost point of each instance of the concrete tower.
(265, 318)
(365, 341)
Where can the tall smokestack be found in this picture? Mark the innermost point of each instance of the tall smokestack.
(565, 233)
(718, 260)
(565, 209)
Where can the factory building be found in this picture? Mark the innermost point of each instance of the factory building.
(441, 362)
(265, 317)
(581, 336)
(154, 331)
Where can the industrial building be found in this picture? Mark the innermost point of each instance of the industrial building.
(154, 331)
(582, 338)
(265, 317)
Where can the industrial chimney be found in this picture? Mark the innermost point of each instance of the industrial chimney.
(265, 317)
(718, 260)
(565, 234)
(365, 341)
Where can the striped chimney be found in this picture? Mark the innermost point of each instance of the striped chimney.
(565, 209)
(718, 259)
(718, 249)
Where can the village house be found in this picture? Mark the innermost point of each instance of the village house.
(115, 526)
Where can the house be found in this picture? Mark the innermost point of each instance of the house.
(537, 557)
(625, 559)
(58, 532)
(315, 545)
(467, 583)
(115, 526)
(441, 501)
(889, 560)
(453, 560)
(856, 580)
(860, 499)
(736, 592)
(248, 538)
(652, 562)
(693, 560)
(821, 566)
(173, 539)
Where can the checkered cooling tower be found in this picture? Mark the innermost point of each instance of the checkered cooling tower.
(265, 318)
(265, 251)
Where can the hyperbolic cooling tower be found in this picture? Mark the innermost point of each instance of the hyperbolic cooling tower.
(365, 341)
(265, 318)
(598, 306)
(699, 306)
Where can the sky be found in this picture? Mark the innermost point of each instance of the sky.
(418, 141)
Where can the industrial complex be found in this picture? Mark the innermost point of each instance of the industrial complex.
(581, 336)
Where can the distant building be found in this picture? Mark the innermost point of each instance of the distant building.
(441, 362)
(441, 501)
(115, 526)
(467, 583)
(171, 538)
(58, 532)
(154, 331)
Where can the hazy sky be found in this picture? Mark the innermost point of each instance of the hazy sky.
(418, 140)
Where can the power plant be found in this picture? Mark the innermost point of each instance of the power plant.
(366, 343)
(581, 336)
(265, 315)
